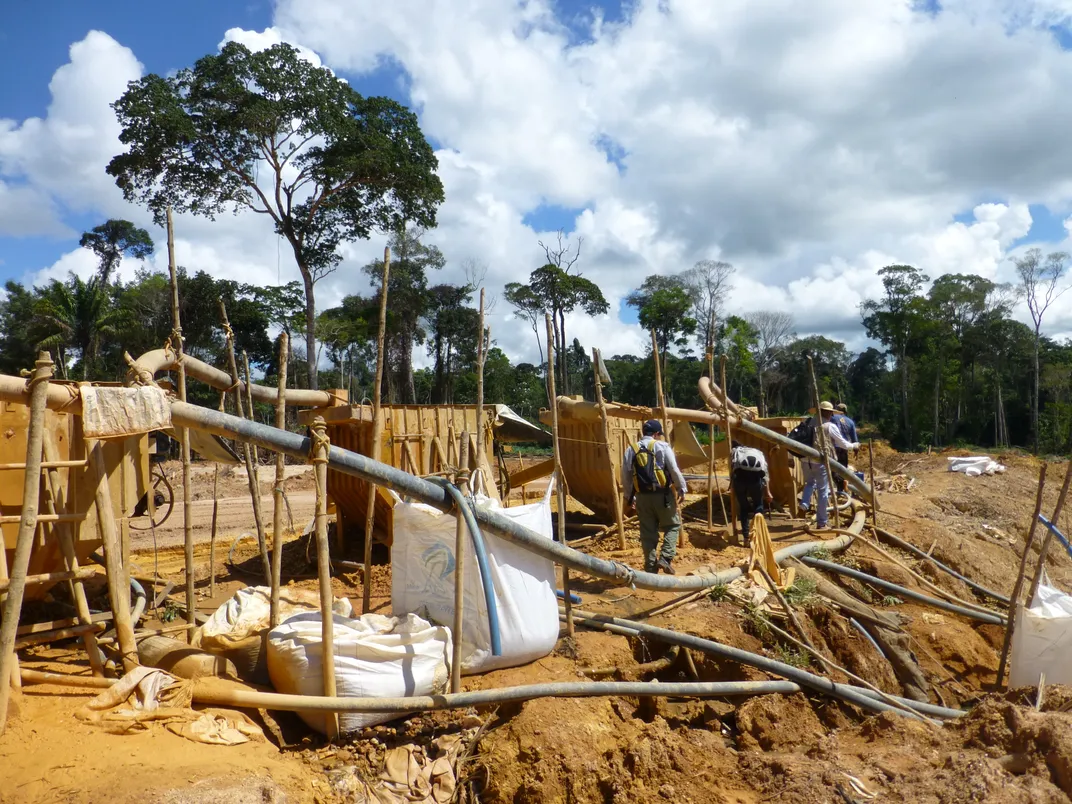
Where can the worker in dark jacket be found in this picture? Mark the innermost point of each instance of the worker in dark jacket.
(848, 429)
(750, 481)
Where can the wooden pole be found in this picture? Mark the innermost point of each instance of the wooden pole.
(711, 460)
(659, 385)
(1014, 598)
(280, 476)
(248, 454)
(321, 445)
(377, 426)
(184, 438)
(619, 519)
(461, 533)
(729, 442)
(559, 478)
(56, 500)
(118, 579)
(481, 357)
(31, 491)
(871, 470)
(822, 445)
(1048, 535)
(258, 512)
(215, 517)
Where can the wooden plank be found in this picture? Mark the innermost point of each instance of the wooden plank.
(533, 472)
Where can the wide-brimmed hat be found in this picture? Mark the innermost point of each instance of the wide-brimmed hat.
(826, 405)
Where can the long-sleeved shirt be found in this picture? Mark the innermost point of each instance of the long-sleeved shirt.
(846, 425)
(664, 459)
(834, 436)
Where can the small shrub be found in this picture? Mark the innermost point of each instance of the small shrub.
(719, 592)
(801, 592)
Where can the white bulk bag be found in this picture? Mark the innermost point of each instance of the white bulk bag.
(237, 629)
(975, 466)
(422, 581)
(375, 656)
(1042, 640)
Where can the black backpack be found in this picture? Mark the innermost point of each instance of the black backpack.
(804, 433)
(646, 475)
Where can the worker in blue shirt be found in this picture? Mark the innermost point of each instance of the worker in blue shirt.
(848, 429)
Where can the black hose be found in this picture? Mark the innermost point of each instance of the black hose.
(184, 414)
(466, 508)
(897, 541)
(830, 566)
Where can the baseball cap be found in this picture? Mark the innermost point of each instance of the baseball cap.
(653, 427)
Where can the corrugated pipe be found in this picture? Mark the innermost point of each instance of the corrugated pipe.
(865, 699)
(897, 541)
(830, 566)
(186, 415)
(136, 588)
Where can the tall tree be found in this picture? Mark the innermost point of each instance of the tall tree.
(451, 325)
(113, 240)
(407, 303)
(1040, 279)
(527, 305)
(271, 132)
(895, 320)
(708, 283)
(663, 304)
(774, 330)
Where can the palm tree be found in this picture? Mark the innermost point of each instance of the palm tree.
(75, 315)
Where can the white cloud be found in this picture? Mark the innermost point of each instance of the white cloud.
(809, 144)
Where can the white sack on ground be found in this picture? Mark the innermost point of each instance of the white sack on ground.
(1042, 640)
(118, 412)
(375, 656)
(975, 466)
(237, 629)
(422, 581)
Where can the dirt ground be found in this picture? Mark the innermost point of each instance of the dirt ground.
(784, 748)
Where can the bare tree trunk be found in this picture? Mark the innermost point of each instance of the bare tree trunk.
(937, 397)
(563, 353)
(310, 328)
(762, 396)
(904, 397)
(1035, 406)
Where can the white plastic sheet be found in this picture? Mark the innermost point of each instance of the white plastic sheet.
(422, 567)
(375, 656)
(1042, 640)
(975, 466)
(119, 412)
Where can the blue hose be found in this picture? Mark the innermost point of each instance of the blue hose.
(1053, 529)
(855, 624)
(465, 507)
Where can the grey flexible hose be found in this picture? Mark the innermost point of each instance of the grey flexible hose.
(897, 541)
(830, 566)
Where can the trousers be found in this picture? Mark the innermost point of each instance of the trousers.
(815, 479)
(657, 516)
(750, 499)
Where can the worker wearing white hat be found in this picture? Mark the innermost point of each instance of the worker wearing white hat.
(815, 477)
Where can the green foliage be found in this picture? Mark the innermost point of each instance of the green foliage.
(113, 240)
(719, 592)
(801, 592)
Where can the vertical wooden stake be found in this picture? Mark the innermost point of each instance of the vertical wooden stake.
(184, 438)
(255, 459)
(248, 451)
(1048, 535)
(729, 442)
(619, 519)
(215, 518)
(323, 567)
(1014, 598)
(660, 396)
(280, 476)
(871, 470)
(559, 477)
(822, 446)
(711, 487)
(118, 579)
(56, 501)
(460, 539)
(31, 491)
(481, 357)
(377, 425)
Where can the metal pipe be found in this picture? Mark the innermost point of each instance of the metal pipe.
(911, 548)
(856, 624)
(830, 566)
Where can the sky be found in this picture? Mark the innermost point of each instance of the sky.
(808, 144)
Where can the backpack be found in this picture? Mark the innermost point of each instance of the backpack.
(804, 433)
(646, 475)
(748, 460)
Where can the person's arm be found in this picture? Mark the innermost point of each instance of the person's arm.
(852, 428)
(833, 432)
(675, 473)
(627, 476)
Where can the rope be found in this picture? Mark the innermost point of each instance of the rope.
(319, 438)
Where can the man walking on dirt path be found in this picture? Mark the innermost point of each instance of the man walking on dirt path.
(751, 484)
(655, 488)
(815, 477)
(848, 429)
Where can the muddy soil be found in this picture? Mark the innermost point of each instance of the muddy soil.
(794, 748)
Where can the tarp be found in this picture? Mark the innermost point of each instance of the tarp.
(975, 466)
(120, 412)
(511, 427)
(208, 446)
